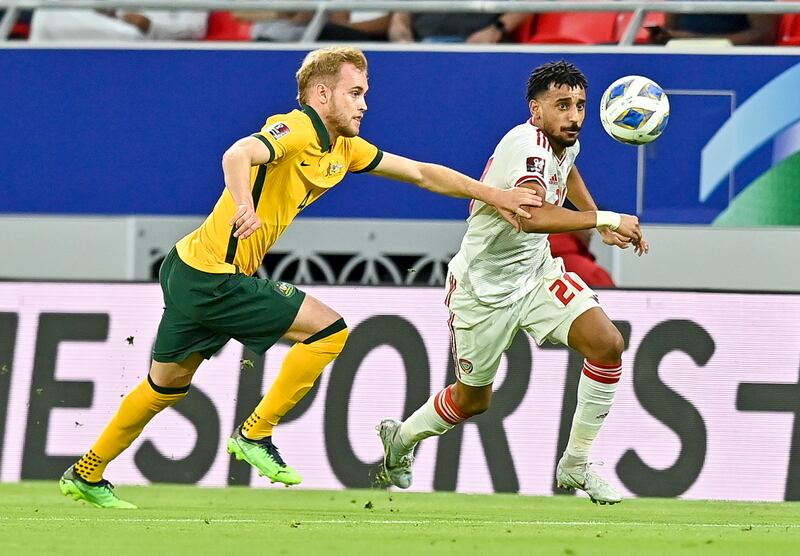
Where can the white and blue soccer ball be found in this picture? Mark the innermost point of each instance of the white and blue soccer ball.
(634, 110)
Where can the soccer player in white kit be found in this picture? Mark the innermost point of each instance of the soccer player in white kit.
(502, 281)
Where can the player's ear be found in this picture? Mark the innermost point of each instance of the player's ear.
(322, 92)
(535, 108)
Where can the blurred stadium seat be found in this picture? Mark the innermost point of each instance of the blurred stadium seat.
(789, 30)
(223, 26)
(642, 36)
(569, 28)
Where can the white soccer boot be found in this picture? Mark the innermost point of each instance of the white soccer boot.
(397, 460)
(585, 479)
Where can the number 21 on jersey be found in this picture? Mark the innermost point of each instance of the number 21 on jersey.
(564, 288)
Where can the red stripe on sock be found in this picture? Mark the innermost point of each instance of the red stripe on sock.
(608, 378)
(446, 409)
(442, 411)
(603, 365)
(448, 397)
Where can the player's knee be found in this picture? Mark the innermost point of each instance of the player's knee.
(331, 339)
(610, 346)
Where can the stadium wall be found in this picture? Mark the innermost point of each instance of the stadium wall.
(707, 406)
(131, 248)
(113, 131)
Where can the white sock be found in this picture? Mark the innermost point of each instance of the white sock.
(596, 389)
(434, 418)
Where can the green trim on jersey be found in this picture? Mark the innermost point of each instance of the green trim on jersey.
(372, 165)
(319, 127)
(268, 144)
(258, 187)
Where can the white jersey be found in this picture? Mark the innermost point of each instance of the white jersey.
(495, 263)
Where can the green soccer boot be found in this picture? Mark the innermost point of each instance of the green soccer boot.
(100, 494)
(263, 455)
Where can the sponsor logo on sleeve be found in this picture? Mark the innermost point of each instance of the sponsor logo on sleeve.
(535, 165)
(278, 130)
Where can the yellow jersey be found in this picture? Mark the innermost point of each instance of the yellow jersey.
(303, 165)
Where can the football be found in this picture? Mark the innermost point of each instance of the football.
(634, 110)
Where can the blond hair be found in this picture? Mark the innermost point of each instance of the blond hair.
(324, 65)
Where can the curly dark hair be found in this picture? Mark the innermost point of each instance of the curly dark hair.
(558, 73)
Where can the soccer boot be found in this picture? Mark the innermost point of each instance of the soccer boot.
(99, 494)
(263, 455)
(583, 478)
(397, 460)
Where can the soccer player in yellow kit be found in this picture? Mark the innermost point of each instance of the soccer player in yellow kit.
(211, 294)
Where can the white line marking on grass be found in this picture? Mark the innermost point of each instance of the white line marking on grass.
(536, 523)
(136, 519)
(546, 523)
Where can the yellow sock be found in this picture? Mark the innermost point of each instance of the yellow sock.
(301, 368)
(137, 408)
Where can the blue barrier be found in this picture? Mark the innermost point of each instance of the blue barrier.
(142, 131)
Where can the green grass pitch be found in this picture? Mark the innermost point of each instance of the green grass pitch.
(36, 519)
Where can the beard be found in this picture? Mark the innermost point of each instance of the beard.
(344, 124)
(562, 141)
(348, 129)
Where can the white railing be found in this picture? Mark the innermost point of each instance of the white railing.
(321, 8)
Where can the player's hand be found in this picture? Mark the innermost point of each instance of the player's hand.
(610, 237)
(629, 228)
(511, 204)
(628, 233)
(642, 248)
(245, 221)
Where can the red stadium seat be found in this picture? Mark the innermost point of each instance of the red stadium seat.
(223, 26)
(789, 30)
(642, 36)
(21, 30)
(524, 30)
(573, 28)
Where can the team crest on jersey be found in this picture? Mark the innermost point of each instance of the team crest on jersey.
(466, 365)
(535, 165)
(285, 289)
(278, 130)
(333, 169)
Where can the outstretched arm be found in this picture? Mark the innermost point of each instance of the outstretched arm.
(551, 218)
(510, 203)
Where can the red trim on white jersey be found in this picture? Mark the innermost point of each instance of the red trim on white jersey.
(530, 177)
(450, 320)
(542, 140)
(450, 291)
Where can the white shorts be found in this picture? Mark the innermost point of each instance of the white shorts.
(481, 333)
